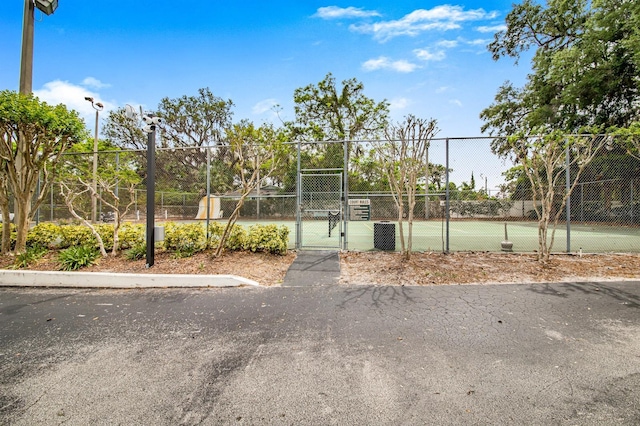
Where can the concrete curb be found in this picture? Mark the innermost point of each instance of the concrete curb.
(117, 280)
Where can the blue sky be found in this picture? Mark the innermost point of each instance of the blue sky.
(426, 58)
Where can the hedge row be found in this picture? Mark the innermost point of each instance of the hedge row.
(184, 239)
(191, 238)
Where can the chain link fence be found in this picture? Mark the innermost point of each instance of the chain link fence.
(468, 199)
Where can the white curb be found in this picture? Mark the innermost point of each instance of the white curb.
(117, 280)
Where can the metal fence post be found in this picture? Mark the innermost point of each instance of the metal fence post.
(117, 172)
(345, 194)
(298, 202)
(208, 190)
(631, 196)
(582, 202)
(426, 186)
(447, 194)
(568, 205)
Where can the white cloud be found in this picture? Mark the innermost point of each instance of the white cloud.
(94, 83)
(427, 55)
(264, 106)
(479, 42)
(73, 96)
(491, 28)
(447, 44)
(442, 89)
(385, 63)
(335, 12)
(397, 104)
(455, 102)
(443, 18)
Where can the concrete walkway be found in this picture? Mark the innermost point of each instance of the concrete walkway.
(313, 268)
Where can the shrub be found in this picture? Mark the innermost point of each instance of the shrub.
(44, 234)
(215, 233)
(131, 235)
(237, 238)
(268, 238)
(30, 256)
(74, 258)
(106, 233)
(76, 235)
(188, 238)
(137, 252)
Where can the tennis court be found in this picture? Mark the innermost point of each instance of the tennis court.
(467, 235)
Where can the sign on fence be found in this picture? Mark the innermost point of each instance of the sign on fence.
(360, 209)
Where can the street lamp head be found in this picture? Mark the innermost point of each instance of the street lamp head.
(98, 106)
(46, 6)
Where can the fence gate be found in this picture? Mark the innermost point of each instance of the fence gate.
(320, 215)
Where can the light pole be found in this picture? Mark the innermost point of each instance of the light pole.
(150, 129)
(26, 60)
(94, 183)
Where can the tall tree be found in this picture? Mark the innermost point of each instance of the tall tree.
(192, 122)
(33, 136)
(325, 112)
(189, 123)
(585, 71)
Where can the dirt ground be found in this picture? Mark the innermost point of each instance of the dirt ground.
(381, 268)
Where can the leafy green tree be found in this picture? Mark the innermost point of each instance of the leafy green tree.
(189, 123)
(255, 154)
(325, 112)
(585, 71)
(33, 137)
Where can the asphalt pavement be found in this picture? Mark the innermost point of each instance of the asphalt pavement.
(559, 354)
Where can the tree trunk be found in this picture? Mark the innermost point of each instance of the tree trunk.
(69, 202)
(6, 227)
(400, 223)
(407, 255)
(22, 219)
(227, 230)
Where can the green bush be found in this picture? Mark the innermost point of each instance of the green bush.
(137, 252)
(184, 239)
(30, 256)
(268, 238)
(76, 235)
(74, 258)
(44, 234)
(131, 235)
(215, 233)
(237, 238)
(105, 230)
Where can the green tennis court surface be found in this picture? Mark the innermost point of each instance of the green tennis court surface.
(472, 235)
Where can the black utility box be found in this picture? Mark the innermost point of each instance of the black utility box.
(384, 235)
